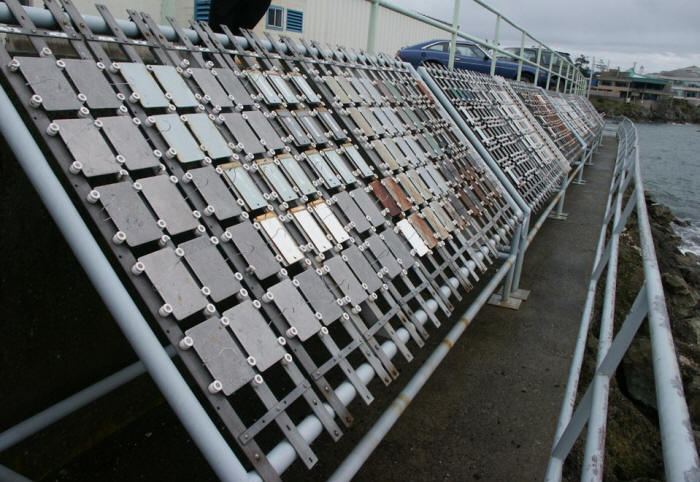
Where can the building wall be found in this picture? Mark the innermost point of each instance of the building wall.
(181, 10)
(346, 23)
(337, 22)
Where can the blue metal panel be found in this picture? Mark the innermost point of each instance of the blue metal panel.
(295, 20)
(201, 10)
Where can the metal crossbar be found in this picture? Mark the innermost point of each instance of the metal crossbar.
(679, 452)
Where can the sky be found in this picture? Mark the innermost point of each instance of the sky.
(656, 34)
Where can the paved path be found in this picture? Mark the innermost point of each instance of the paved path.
(490, 411)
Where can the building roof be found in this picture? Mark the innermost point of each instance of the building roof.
(631, 76)
(685, 73)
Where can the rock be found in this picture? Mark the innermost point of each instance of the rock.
(687, 330)
(638, 373)
(676, 284)
(659, 212)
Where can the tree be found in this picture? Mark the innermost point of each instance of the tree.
(581, 63)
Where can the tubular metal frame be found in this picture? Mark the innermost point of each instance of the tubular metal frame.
(155, 358)
(679, 451)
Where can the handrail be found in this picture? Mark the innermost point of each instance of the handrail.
(679, 452)
(573, 82)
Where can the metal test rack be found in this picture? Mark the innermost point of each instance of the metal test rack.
(288, 217)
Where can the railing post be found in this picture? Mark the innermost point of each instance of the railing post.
(549, 70)
(559, 213)
(579, 178)
(537, 67)
(520, 60)
(495, 44)
(590, 78)
(453, 39)
(561, 64)
(373, 12)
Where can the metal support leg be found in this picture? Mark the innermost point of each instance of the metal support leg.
(504, 298)
(559, 214)
(579, 179)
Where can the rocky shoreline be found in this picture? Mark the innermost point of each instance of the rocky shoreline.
(633, 446)
(675, 110)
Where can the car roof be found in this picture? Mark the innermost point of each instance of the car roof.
(434, 41)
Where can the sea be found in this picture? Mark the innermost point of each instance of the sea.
(670, 159)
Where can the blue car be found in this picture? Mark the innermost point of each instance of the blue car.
(468, 56)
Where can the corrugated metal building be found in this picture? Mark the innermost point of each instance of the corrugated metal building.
(338, 22)
(344, 22)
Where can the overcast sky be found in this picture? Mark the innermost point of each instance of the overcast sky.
(656, 34)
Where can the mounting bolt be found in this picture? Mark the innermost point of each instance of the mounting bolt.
(186, 343)
(75, 167)
(119, 237)
(138, 268)
(36, 101)
(93, 196)
(292, 332)
(165, 310)
(52, 129)
(257, 380)
(215, 387)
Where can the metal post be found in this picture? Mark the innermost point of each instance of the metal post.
(453, 39)
(559, 213)
(520, 60)
(537, 67)
(590, 78)
(117, 299)
(495, 44)
(579, 180)
(549, 69)
(558, 74)
(566, 78)
(504, 299)
(371, 33)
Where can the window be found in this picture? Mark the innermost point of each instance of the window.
(201, 10)
(275, 16)
(438, 47)
(469, 51)
(295, 20)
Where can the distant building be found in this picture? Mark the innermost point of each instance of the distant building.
(684, 83)
(630, 86)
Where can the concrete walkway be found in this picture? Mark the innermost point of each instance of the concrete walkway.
(490, 411)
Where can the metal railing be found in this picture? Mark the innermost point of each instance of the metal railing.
(679, 452)
(573, 78)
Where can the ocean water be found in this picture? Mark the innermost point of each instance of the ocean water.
(670, 158)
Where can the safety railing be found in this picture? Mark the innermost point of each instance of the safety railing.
(679, 452)
(573, 79)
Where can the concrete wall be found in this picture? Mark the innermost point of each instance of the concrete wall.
(346, 23)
